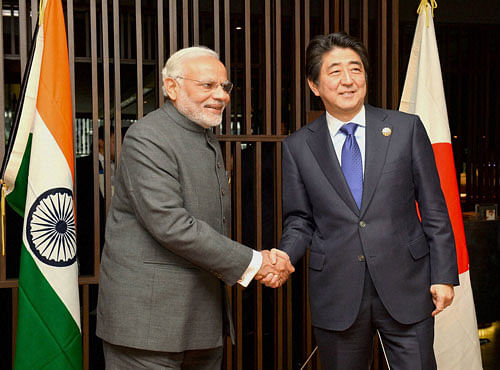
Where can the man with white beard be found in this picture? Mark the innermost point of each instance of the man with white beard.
(162, 299)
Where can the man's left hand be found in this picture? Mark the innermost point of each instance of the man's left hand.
(442, 296)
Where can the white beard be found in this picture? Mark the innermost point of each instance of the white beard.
(195, 113)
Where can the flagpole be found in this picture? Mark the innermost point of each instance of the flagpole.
(17, 117)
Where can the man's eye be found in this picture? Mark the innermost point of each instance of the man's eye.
(208, 85)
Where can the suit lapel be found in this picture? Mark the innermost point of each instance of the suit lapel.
(321, 146)
(376, 145)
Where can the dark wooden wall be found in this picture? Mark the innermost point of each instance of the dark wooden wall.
(262, 44)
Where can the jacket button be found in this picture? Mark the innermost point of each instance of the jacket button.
(362, 223)
(224, 219)
(223, 191)
(361, 258)
(219, 164)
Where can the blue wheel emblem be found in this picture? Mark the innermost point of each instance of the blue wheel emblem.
(50, 228)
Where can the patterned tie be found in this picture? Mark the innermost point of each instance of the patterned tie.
(352, 165)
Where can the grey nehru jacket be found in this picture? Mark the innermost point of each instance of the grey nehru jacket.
(166, 250)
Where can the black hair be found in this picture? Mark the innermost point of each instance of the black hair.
(322, 44)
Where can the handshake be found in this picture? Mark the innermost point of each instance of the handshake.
(275, 268)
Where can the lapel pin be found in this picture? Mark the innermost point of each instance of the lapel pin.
(386, 131)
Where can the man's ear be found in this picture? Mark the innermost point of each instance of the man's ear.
(313, 87)
(172, 88)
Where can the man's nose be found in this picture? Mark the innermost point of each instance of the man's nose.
(220, 94)
(346, 78)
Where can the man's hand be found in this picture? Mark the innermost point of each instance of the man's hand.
(275, 269)
(442, 296)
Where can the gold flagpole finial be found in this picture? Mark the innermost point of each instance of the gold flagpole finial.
(424, 5)
(2, 204)
(41, 11)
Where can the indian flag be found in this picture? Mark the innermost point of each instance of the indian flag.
(456, 342)
(38, 176)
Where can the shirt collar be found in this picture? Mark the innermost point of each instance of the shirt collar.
(335, 124)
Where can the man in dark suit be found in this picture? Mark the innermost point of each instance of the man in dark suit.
(351, 181)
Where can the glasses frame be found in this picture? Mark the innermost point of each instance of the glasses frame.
(227, 86)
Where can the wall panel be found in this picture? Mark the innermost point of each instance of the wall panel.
(124, 55)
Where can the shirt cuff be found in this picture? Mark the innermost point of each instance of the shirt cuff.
(252, 269)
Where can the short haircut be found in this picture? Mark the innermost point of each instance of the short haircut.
(322, 44)
(174, 65)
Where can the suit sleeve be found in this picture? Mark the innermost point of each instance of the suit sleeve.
(150, 177)
(298, 225)
(432, 206)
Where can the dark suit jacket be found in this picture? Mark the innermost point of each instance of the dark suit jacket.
(403, 254)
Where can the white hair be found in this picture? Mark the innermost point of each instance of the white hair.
(175, 64)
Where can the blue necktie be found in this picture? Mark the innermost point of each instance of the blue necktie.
(352, 164)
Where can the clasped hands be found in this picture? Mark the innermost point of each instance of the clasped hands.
(275, 269)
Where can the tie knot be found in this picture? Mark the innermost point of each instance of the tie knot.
(349, 129)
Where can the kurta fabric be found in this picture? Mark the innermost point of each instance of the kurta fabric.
(166, 252)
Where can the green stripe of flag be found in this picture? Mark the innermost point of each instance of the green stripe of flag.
(46, 322)
(17, 198)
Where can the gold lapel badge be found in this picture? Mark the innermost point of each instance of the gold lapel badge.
(386, 131)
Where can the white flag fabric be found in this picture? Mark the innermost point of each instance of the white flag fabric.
(456, 342)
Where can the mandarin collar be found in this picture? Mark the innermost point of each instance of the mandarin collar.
(180, 119)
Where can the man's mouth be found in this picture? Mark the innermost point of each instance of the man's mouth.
(347, 93)
(215, 108)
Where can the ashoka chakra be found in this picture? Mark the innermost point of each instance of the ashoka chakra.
(50, 228)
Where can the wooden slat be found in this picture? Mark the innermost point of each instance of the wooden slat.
(161, 50)
(95, 144)
(185, 23)
(85, 327)
(365, 25)
(278, 295)
(229, 169)
(34, 15)
(277, 64)
(268, 84)
(15, 302)
(227, 58)
(217, 35)
(106, 98)
(259, 343)
(336, 16)
(117, 83)
(251, 138)
(172, 16)
(23, 36)
(326, 17)
(297, 71)
(306, 308)
(383, 57)
(138, 38)
(128, 54)
(395, 55)
(13, 33)
(347, 15)
(196, 23)
(238, 214)
(307, 37)
(248, 72)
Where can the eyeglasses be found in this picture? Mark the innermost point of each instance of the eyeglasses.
(227, 86)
